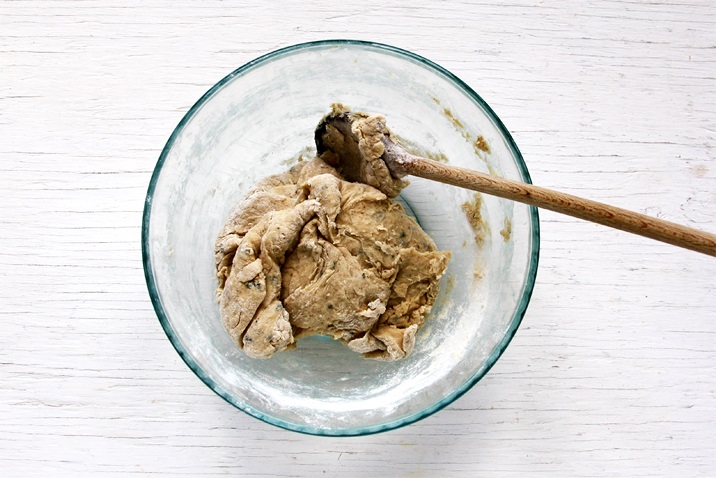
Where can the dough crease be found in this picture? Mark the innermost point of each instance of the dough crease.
(307, 252)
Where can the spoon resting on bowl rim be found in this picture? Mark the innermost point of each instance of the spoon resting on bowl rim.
(362, 148)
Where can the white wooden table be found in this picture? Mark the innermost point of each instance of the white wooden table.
(613, 372)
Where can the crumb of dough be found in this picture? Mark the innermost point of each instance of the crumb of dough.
(473, 214)
(482, 144)
(308, 253)
(506, 231)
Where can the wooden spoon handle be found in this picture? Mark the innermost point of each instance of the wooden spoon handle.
(593, 211)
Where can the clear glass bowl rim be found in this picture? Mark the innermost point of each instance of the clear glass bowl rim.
(367, 430)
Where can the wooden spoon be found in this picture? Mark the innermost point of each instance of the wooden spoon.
(401, 163)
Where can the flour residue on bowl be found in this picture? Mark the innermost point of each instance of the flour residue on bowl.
(414, 148)
(306, 153)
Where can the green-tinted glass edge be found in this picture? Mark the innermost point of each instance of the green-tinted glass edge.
(528, 285)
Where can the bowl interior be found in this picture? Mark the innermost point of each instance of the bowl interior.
(260, 120)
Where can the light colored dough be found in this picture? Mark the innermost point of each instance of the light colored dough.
(307, 253)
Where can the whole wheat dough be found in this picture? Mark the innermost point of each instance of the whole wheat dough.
(307, 253)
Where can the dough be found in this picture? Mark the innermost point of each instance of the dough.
(353, 143)
(307, 252)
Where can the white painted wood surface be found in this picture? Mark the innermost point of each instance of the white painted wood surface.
(613, 372)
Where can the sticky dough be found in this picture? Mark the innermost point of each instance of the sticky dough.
(307, 253)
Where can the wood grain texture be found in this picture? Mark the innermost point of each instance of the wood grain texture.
(600, 213)
(612, 372)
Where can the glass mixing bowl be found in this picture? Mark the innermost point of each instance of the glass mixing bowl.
(258, 121)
